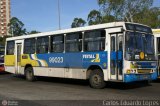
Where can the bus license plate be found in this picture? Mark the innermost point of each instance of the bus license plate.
(146, 77)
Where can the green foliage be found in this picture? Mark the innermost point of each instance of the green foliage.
(124, 9)
(3, 40)
(33, 32)
(108, 18)
(78, 22)
(138, 11)
(94, 17)
(16, 27)
(149, 17)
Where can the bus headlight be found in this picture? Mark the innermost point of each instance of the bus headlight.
(128, 71)
(131, 71)
(152, 71)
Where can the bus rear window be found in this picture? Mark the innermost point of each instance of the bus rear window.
(10, 48)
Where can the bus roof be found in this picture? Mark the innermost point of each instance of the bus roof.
(71, 30)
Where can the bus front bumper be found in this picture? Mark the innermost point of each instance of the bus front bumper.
(139, 77)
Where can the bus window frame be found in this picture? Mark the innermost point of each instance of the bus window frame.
(101, 40)
(51, 43)
(43, 45)
(7, 48)
(79, 38)
(24, 45)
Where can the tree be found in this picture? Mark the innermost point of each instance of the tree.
(16, 27)
(108, 18)
(3, 40)
(33, 32)
(78, 22)
(124, 9)
(150, 19)
(94, 17)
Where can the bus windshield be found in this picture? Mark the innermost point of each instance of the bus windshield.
(136, 42)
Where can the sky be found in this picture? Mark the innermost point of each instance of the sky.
(42, 15)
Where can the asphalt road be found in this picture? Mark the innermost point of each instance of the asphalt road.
(46, 91)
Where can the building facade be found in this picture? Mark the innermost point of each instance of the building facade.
(4, 16)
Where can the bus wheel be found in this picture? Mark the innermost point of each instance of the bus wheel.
(29, 74)
(96, 79)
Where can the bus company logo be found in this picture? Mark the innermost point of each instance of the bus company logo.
(10, 103)
(88, 56)
(4, 102)
(92, 57)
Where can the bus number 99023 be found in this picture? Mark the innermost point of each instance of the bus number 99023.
(56, 59)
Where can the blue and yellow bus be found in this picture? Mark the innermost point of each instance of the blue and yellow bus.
(116, 51)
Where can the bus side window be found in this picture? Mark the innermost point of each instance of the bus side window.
(94, 40)
(42, 45)
(10, 48)
(74, 42)
(29, 46)
(57, 44)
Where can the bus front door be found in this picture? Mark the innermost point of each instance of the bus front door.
(18, 56)
(116, 56)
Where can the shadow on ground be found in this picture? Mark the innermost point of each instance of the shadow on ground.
(109, 85)
(156, 81)
(4, 73)
(63, 81)
(127, 86)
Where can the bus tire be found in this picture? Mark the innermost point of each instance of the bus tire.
(96, 79)
(29, 74)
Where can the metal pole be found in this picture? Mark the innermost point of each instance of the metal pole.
(59, 15)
